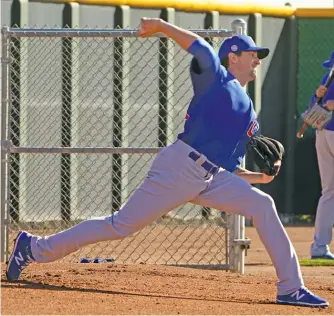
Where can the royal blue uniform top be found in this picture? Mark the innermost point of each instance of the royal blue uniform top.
(329, 96)
(221, 118)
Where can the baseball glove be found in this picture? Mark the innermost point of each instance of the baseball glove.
(317, 116)
(265, 152)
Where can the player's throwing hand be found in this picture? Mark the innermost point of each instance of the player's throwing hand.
(149, 26)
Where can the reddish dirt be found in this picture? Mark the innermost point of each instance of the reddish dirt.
(100, 289)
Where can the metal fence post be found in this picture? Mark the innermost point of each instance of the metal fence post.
(19, 18)
(290, 120)
(211, 21)
(237, 255)
(120, 101)
(254, 88)
(166, 83)
(5, 62)
(69, 84)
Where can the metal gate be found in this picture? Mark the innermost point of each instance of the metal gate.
(84, 111)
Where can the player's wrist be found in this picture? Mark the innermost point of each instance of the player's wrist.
(266, 179)
(164, 26)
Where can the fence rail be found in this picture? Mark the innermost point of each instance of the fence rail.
(96, 33)
(113, 96)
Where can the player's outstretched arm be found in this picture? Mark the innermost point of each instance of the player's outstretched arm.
(150, 26)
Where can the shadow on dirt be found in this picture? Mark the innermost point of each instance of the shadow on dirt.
(37, 285)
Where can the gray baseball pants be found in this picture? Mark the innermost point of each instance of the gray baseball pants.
(173, 180)
(325, 212)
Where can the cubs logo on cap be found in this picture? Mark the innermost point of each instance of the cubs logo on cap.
(234, 48)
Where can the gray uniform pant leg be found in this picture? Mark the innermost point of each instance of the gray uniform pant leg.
(172, 180)
(233, 195)
(325, 212)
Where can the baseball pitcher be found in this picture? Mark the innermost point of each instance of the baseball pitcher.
(202, 166)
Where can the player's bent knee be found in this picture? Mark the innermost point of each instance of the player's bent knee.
(265, 203)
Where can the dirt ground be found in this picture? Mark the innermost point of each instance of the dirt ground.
(111, 288)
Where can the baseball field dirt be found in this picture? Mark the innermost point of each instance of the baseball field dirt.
(111, 288)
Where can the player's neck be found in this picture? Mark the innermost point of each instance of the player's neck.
(240, 76)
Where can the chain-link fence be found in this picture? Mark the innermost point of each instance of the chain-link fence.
(86, 112)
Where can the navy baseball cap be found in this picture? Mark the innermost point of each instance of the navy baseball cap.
(241, 43)
(329, 63)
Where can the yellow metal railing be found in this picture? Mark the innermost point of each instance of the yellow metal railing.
(241, 7)
(314, 13)
(235, 7)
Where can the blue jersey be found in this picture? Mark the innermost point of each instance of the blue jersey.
(329, 96)
(221, 118)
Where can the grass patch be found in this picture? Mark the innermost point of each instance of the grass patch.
(316, 262)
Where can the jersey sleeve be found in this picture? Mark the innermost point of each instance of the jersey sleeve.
(235, 160)
(205, 66)
(233, 164)
(206, 57)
